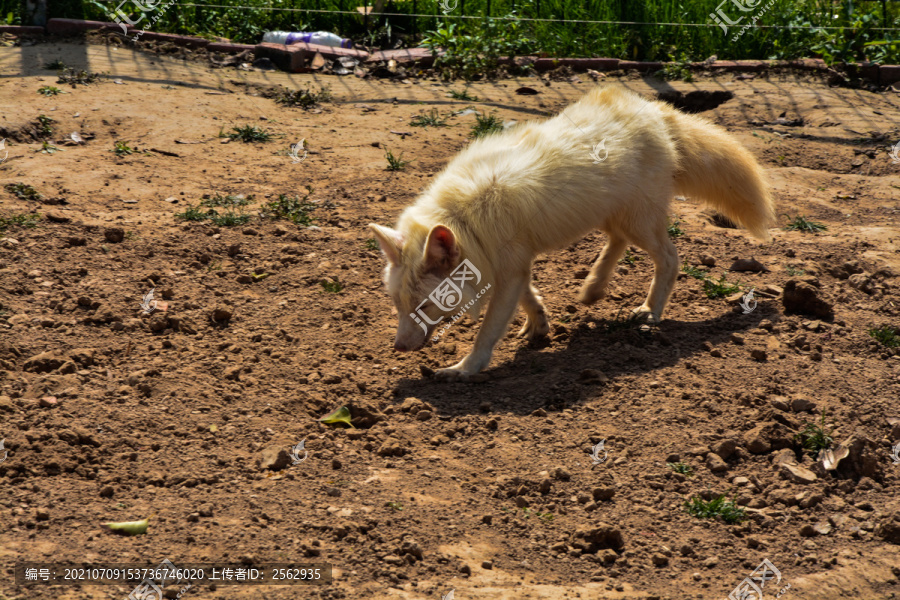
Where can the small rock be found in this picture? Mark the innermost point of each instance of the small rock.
(804, 298)
(114, 235)
(592, 376)
(487, 519)
(221, 314)
(707, 260)
(274, 458)
(759, 355)
(747, 264)
(737, 338)
(465, 569)
(725, 448)
(487, 564)
(801, 404)
(710, 562)
(715, 463)
(107, 491)
(56, 216)
(822, 528)
(660, 560)
(797, 474)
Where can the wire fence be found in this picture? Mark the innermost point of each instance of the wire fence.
(669, 30)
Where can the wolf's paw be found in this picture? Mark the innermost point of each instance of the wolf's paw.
(453, 374)
(645, 314)
(534, 329)
(591, 293)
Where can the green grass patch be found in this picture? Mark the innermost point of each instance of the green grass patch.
(431, 119)
(620, 323)
(795, 272)
(804, 225)
(463, 95)
(815, 437)
(23, 191)
(306, 98)
(674, 230)
(395, 163)
(249, 134)
(290, 208)
(711, 287)
(395, 506)
(486, 125)
(887, 335)
(44, 128)
(472, 48)
(720, 288)
(630, 258)
(75, 77)
(234, 211)
(332, 287)
(49, 90)
(121, 149)
(371, 244)
(681, 467)
(19, 221)
(717, 508)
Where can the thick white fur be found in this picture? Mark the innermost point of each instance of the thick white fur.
(534, 188)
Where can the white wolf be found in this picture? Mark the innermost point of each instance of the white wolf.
(534, 188)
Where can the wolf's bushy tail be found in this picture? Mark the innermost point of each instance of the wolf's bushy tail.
(715, 168)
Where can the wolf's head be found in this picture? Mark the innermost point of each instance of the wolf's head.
(419, 263)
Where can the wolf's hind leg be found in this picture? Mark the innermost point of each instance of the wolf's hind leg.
(653, 238)
(595, 285)
(536, 324)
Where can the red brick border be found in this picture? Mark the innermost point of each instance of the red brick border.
(22, 30)
(293, 58)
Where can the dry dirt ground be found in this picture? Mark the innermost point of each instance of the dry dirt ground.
(488, 489)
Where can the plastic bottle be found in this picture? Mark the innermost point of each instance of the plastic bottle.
(323, 38)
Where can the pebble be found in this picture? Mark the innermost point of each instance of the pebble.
(114, 235)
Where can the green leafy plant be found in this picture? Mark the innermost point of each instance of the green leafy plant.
(21, 220)
(249, 134)
(858, 41)
(432, 119)
(472, 49)
(463, 95)
(394, 506)
(371, 244)
(291, 208)
(795, 272)
(48, 148)
(680, 467)
(815, 438)
(23, 191)
(674, 230)
(49, 90)
(720, 288)
(56, 65)
(306, 98)
(619, 322)
(233, 215)
(395, 163)
(630, 258)
(332, 287)
(486, 125)
(677, 68)
(695, 272)
(73, 77)
(44, 127)
(718, 507)
(801, 223)
(887, 335)
(121, 149)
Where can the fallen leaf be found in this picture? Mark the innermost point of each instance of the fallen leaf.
(341, 415)
(129, 527)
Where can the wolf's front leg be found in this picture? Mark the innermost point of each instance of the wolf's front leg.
(496, 321)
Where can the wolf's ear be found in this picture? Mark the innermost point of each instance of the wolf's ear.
(441, 249)
(390, 240)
